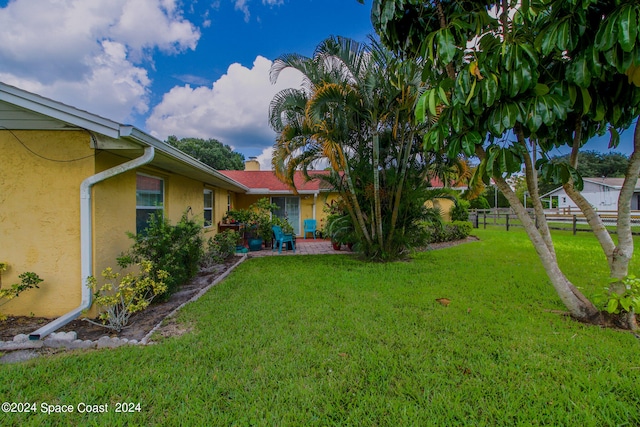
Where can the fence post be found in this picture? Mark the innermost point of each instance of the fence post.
(475, 220)
(485, 220)
(575, 224)
(507, 222)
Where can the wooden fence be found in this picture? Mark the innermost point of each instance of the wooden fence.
(556, 220)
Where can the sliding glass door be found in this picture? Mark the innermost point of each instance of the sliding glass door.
(289, 208)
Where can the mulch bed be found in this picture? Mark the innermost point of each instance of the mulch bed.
(140, 323)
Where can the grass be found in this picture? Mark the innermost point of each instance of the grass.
(329, 340)
(581, 227)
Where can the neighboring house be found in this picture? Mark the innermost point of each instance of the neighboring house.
(601, 193)
(308, 203)
(73, 183)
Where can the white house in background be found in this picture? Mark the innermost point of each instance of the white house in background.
(601, 193)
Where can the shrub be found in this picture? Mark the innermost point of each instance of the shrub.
(460, 211)
(120, 297)
(177, 250)
(220, 247)
(622, 295)
(28, 280)
(479, 202)
(456, 230)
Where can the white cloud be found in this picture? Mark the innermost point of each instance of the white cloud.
(147, 24)
(114, 88)
(233, 110)
(264, 159)
(242, 6)
(87, 53)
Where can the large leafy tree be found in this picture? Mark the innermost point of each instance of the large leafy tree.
(591, 164)
(595, 164)
(211, 152)
(510, 80)
(356, 110)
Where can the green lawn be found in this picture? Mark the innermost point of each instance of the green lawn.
(329, 340)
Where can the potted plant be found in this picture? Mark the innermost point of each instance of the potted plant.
(338, 225)
(259, 223)
(341, 231)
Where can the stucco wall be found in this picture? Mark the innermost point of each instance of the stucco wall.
(40, 216)
(444, 205)
(114, 207)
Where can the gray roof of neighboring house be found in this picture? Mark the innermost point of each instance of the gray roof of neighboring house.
(23, 110)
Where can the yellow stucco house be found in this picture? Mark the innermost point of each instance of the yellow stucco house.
(72, 184)
(306, 203)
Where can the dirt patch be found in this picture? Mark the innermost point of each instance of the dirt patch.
(140, 323)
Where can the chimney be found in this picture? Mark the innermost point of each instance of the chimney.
(252, 164)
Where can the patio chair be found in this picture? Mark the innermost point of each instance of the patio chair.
(310, 227)
(279, 238)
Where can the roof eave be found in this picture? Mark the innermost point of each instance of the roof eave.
(138, 135)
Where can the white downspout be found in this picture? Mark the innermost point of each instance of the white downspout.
(86, 239)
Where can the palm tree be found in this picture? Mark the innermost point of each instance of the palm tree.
(355, 110)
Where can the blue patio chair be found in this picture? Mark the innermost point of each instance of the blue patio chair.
(280, 238)
(310, 227)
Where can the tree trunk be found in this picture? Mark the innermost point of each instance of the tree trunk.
(376, 189)
(618, 256)
(577, 304)
(532, 185)
(624, 250)
(354, 210)
(403, 162)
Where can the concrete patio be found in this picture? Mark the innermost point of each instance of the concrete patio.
(303, 247)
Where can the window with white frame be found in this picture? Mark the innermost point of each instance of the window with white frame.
(149, 199)
(208, 208)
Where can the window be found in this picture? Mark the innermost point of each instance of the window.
(208, 208)
(149, 199)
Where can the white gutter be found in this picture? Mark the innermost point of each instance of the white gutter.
(86, 239)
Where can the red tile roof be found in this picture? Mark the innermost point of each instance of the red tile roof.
(266, 180)
(258, 180)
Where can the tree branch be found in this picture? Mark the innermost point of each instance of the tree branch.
(532, 185)
(592, 217)
(624, 251)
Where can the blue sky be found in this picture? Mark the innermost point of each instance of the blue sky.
(186, 68)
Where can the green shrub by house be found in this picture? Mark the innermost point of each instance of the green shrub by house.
(220, 247)
(175, 249)
(460, 210)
